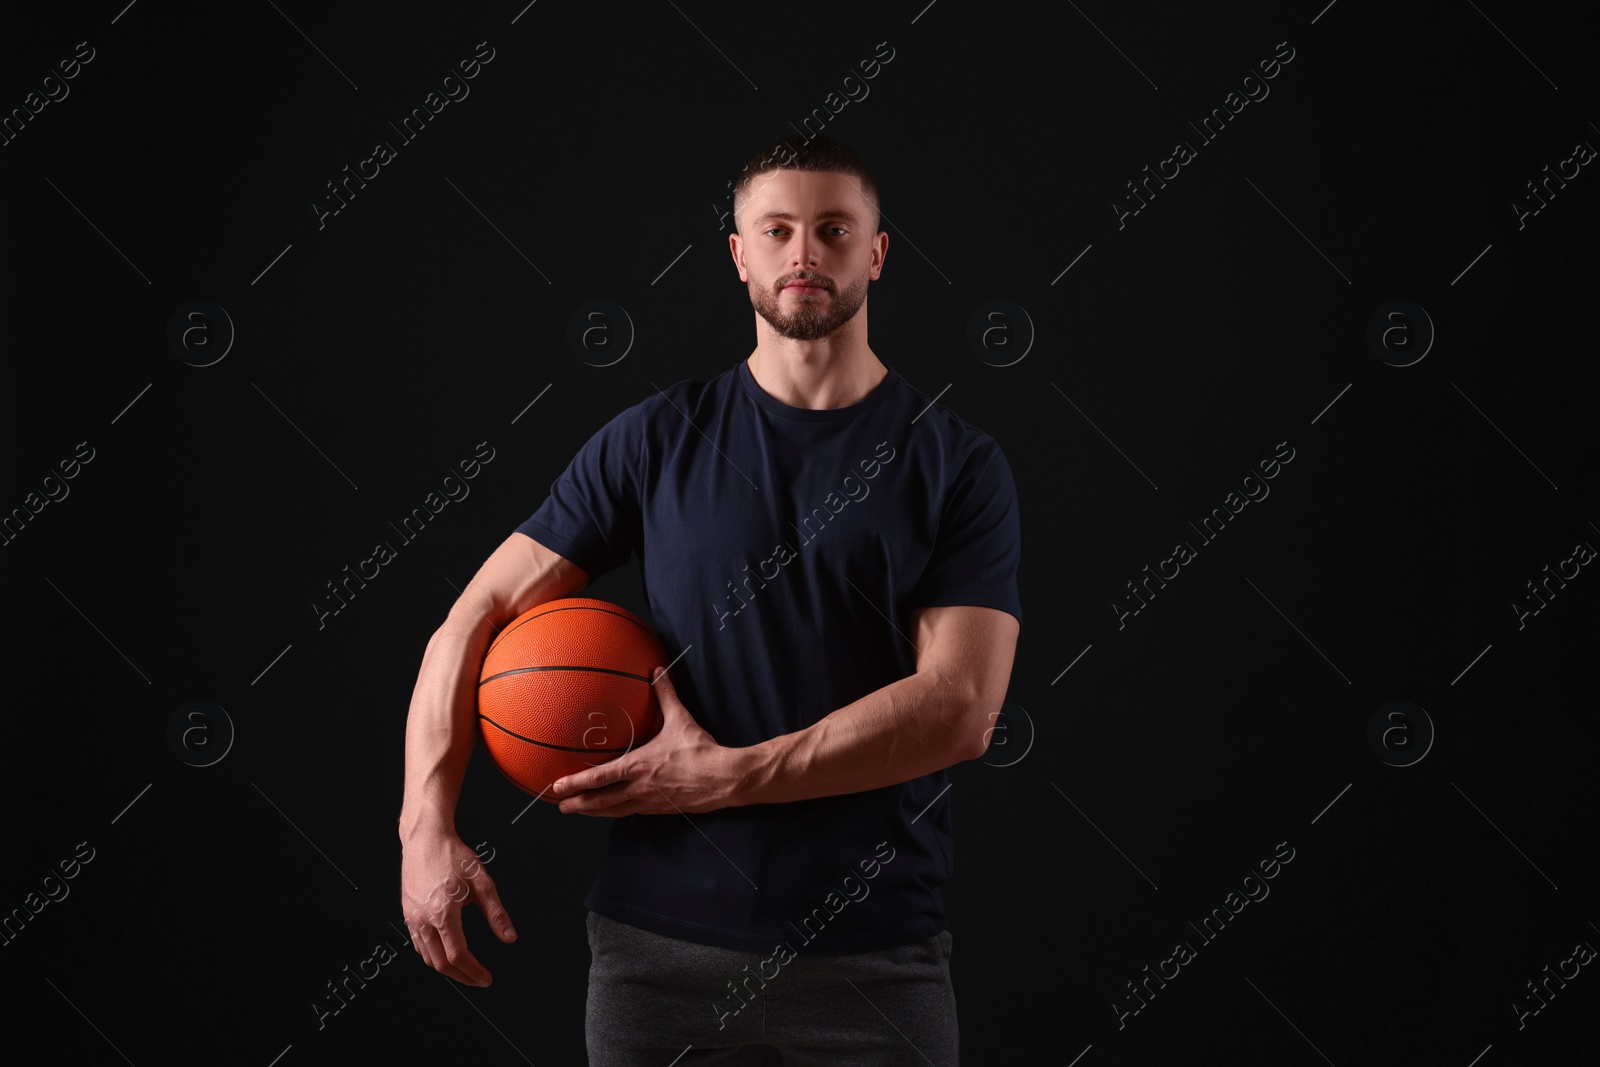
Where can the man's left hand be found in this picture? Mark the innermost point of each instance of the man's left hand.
(681, 769)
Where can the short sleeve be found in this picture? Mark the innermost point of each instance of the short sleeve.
(593, 515)
(979, 543)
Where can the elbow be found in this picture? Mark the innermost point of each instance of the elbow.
(980, 719)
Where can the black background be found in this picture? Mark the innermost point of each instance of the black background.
(1227, 316)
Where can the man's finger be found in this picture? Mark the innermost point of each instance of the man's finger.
(666, 695)
(431, 942)
(593, 778)
(424, 939)
(427, 943)
(460, 963)
(612, 801)
(592, 800)
(488, 899)
(434, 952)
(463, 965)
(618, 810)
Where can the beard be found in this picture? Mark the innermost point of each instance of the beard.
(813, 316)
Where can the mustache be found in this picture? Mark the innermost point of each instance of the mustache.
(805, 279)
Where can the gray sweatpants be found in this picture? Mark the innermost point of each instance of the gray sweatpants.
(659, 1001)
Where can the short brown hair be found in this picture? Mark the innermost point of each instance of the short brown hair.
(818, 153)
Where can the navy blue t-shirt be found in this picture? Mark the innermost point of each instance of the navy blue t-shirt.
(787, 549)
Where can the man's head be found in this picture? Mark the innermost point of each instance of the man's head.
(807, 212)
(818, 154)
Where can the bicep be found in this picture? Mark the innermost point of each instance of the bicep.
(969, 646)
(517, 576)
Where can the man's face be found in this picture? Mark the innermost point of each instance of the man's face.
(807, 248)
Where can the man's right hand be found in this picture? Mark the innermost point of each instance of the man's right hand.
(438, 872)
(438, 875)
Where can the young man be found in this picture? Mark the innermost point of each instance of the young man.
(832, 559)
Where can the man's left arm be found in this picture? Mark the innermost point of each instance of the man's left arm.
(942, 714)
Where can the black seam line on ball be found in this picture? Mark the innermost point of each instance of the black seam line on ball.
(597, 670)
(546, 744)
(575, 607)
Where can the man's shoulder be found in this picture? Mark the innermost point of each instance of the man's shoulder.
(687, 393)
(956, 438)
(678, 400)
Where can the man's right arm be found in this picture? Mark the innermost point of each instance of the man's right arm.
(440, 731)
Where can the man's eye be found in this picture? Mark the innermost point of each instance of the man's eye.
(841, 229)
(773, 230)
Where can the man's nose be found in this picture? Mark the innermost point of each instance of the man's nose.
(806, 250)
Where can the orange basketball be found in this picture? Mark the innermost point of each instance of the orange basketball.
(566, 687)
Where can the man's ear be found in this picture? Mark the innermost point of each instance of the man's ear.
(734, 249)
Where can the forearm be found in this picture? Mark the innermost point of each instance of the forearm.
(442, 723)
(912, 727)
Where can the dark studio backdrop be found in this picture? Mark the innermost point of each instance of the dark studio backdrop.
(1347, 681)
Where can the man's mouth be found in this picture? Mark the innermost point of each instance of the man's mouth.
(807, 287)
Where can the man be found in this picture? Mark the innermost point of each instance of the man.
(832, 559)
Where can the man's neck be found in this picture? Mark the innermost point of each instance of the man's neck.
(816, 377)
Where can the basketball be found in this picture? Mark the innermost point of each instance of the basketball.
(565, 687)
